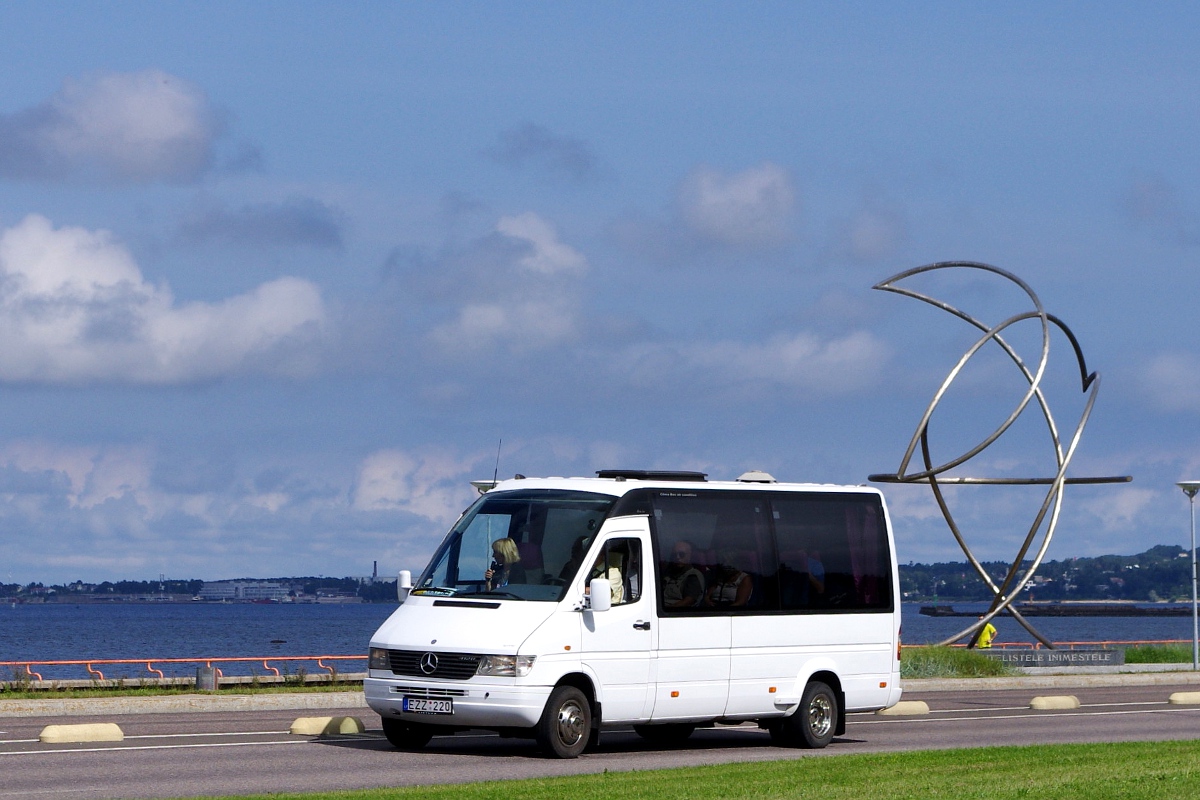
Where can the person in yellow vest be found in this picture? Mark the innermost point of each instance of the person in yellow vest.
(986, 634)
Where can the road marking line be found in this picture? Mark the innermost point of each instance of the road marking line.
(914, 721)
(218, 733)
(1023, 708)
(148, 747)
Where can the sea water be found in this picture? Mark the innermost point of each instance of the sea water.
(65, 631)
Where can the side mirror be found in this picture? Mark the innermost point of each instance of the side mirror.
(403, 585)
(600, 592)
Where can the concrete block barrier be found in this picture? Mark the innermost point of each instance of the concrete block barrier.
(905, 708)
(93, 732)
(326, 726)
(1184, 699)
(1054, 702)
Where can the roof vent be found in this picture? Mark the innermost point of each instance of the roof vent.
(756, 476)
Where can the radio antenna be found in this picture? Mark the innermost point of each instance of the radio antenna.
(496, 471)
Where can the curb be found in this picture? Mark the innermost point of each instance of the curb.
(1051, 681)
(96, 706)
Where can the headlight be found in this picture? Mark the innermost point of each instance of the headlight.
(505, 666)
(378, 659)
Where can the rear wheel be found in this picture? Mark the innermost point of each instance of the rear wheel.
(406, 735)
(813, 723)
(566, 723)
(670, 733)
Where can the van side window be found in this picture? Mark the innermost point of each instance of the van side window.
(833, 553)
(716, 543)
(620, 561)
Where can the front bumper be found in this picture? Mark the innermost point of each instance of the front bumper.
(477, 703)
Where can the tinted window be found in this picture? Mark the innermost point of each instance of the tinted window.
(729, 538)
(766, 551)
(833, 552)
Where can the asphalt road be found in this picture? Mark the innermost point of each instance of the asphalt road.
(230, 753)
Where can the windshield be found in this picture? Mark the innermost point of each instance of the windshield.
(523, 545)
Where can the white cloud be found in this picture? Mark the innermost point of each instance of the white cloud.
(74, 307)
(548, 255)
(1172, 380)
(1119, 508)
(138, 126)
(89, 475)
(432, 486)
(751, 208)
(528, 300)
(801, 361)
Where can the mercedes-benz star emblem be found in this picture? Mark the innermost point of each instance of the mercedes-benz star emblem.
(429, 663)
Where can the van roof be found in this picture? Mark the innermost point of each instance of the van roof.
(618, 482)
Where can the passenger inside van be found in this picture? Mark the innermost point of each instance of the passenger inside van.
(730, 587)
(683, 583)
(612, 573)
(578, 551)
(802, 579)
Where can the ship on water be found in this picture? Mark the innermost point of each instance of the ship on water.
(1075, 609)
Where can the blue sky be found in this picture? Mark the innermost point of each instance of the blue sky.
(275, 280)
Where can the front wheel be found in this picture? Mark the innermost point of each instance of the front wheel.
(406, 735)
(566, 723)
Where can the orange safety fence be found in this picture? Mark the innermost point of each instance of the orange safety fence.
(150, 662)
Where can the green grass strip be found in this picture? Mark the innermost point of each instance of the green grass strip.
(1143, 770)
(1159, 654)
(950, 662)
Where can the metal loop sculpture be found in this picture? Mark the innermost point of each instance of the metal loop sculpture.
(1015, 580)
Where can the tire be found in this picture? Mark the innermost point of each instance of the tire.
(667, 734)
(816, 718)
(406, 735)
(566, 724)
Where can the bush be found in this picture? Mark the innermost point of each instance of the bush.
(949, 662)
(1159, 654)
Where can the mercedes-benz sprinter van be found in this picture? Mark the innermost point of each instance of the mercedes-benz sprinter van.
(557, 607)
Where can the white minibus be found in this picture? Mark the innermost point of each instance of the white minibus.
(559, 607)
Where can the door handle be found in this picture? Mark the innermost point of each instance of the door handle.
(642, 626)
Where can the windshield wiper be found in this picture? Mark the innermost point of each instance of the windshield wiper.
(493, 593)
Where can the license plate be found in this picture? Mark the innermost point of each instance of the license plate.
(427, 705)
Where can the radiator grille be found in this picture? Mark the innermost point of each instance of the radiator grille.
(449, 666)
(422, 691)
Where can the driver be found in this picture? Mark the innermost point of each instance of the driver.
(505, 568)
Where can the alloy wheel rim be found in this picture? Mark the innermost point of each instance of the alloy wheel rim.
(820, 716)
(570, 724)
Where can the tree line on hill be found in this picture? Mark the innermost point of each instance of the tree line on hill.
(371, 591)
(1162, 573)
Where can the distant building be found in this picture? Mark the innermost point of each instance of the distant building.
(244, 590)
